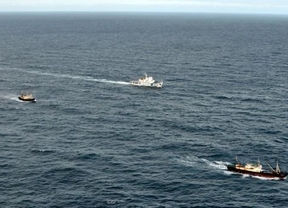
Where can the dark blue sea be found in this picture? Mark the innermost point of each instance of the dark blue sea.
(93, 140)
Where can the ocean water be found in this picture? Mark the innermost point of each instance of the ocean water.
(92, 140)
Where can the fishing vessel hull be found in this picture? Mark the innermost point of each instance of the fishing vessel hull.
(27, 100)
(262, 174)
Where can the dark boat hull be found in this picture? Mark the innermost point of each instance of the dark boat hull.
(271, 175)
(28, 100)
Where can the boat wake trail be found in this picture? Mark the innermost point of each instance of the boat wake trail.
(258, 177)
(189, 161)
(204, 163)
(10, 97)
(86, 78)
(217, 164)
(108, 81)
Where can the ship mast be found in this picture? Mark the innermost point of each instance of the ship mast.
(271, 167)
(277, 168)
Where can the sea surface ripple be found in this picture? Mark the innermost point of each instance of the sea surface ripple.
(92, 140)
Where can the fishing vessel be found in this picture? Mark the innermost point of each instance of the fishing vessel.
(147, 82)
(255, 169)
(27, 97)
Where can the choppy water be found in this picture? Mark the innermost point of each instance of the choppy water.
(92, 140)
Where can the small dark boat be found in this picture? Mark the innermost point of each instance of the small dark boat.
(256, 170)
(27, 97)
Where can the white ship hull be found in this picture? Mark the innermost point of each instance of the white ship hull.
(153, 85)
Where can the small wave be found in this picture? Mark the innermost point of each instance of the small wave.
(88, 156)
(41, 151)
(223, 97)
(65, 174)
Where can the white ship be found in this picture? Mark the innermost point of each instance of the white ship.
(147, 82)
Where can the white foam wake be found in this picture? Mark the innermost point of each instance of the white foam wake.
(196, 161)
(86, 78)
(258, 177)
(10, 97)
(202, 163)
(217, 164)
(108, 81)
(189, 160)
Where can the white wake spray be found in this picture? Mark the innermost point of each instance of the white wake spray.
(86, 78)
(13, 97)
(196, 161)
